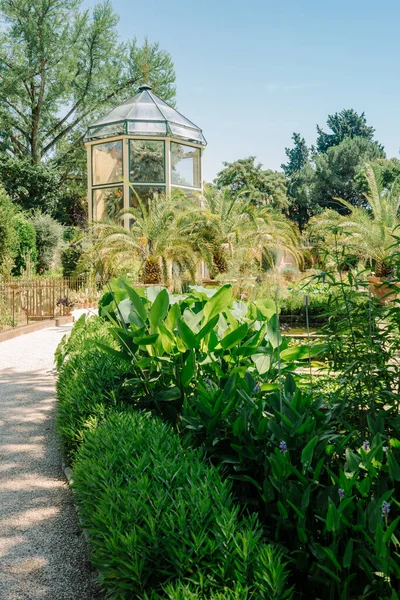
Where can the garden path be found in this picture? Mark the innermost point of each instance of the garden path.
(43, 554)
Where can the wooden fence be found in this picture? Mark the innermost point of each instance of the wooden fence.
(24, 302)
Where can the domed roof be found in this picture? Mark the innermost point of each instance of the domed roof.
(145, 115)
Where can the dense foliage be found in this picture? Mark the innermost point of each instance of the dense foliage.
(49, 237)
(26, 248)
(61, 68)
(319, 468)
(156, 513)
(246, 177)
(8, 235)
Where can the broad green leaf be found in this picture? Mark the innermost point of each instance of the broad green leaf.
(394, 468)
(328, 552)
(152, 292)
(394, 443)
(207, 328)
(262, 362)
(230, 386)
(380, 548)
(159, 309)
(266, 307)
(172, 317)
(330, 573)
(290, 386)
(390, 530)
(332, 518)
(168, 395)
(296, 510)
(308, 451)
(136, 301)
(232, 339)
(218, 302)
(273, 333)
(364, 486)
(146, 340)
(348, 554)
(188, 369)
(282, 510)
(167, 338)
(124, 310)
(192, 319)
(353, 461)
(186, 334)
(305, 501)
(303, 352)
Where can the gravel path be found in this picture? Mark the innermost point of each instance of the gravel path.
(43, 555)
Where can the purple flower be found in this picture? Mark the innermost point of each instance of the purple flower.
(366, 446)
(341, 493)
(385, 509)
(257, 389)
(283, 447)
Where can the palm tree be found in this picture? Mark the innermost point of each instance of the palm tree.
(224, 227)
(367, 231)
(153, 237)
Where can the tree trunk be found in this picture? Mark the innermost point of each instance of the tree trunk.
(382, 269)
(219, 262)
(152, 271)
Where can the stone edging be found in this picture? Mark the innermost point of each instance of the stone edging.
(18, 331)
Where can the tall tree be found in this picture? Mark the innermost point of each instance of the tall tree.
(344, 124)
(60, 67)
(249, 179)
(367, 230)
(336, 172)
(298, 156)
(299, 176)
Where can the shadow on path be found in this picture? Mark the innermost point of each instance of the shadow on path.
(43, 554)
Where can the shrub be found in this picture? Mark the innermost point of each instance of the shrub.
(49, 236)
(8, 237)
(31, 186)
(214, 367)
(155, 512)
(26, 243)
(88, 382)
(70, 256)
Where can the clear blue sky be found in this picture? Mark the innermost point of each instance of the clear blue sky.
(250, 72)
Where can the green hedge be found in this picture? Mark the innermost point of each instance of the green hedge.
(89, 382)
(157, 514)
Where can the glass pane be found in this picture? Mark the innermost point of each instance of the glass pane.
(142, 127)
(107, 202)
(107, 162)
(185, 165)
(186, 133)
(144, 192)
(103, 131)
(147, 159)
(192, 194)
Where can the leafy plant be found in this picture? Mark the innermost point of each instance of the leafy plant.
(88, 382)
(49, 237)
(155, 512)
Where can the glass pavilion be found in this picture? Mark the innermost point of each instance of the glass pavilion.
(146, 144)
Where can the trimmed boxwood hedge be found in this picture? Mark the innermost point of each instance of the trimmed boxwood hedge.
(158, 514)
(89, 382)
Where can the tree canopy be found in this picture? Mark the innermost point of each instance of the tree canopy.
(298, 156)
(247, 178)
(344, 124)
(61, 66)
